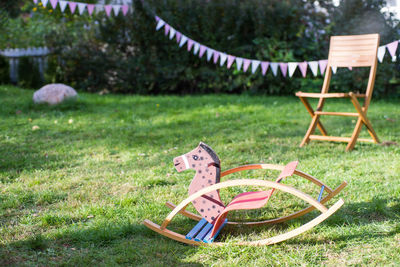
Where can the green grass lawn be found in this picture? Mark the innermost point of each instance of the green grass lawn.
(77, 180)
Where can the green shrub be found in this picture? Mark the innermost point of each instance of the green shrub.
(4, 71)
(28, 73)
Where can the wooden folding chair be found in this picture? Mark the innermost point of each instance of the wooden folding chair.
(345, 51)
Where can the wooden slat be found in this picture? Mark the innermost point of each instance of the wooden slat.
(338, 139)
(352, 53)
(193, 233)
(356, 37)
(346, 114)
(327, 95)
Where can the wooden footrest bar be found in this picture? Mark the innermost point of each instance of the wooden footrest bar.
(338, 139)
(346, 114)
(202, 231)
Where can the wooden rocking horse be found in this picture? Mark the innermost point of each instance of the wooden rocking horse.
(204, 195)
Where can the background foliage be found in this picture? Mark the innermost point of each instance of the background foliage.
(126, 55)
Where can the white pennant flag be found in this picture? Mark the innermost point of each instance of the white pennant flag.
(44, 2)
(254, 65)
(116, 9)
(239, 63)
(274, 68)
(160, 24)
(334, 69)
(196, 48)
(210, 53)
(222, 57)
(292, 67)
(63, 5)
(183, 40)
(172, 32)
(314, 67)
(81, 7)
(99, 8)
(381, 53)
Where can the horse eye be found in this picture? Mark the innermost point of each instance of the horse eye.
(195, 157)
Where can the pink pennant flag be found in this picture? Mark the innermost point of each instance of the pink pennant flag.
(116, 9)
(303, 68)
(157, 18)
(35, 1)
(90, 8)
(264, 67)
(215, 56)
(54, 3)
(283, 66)
(190, 44)
(166, 29)
(72, 7)
(108, 9)
(246, 64)
(322, 65)
(125, 9)
(202, 50)
(231, 59)
(392, 47)
(178, 36)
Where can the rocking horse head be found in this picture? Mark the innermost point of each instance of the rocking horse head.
(199, 158)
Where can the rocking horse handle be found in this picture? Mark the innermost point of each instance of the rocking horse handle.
(245, 182)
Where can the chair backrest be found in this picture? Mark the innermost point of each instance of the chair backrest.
(353, 51)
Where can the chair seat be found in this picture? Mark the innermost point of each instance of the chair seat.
(327, 95)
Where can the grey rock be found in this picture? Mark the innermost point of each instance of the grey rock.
(54, 93)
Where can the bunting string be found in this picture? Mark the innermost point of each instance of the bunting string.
(286, 68)
(81, 8)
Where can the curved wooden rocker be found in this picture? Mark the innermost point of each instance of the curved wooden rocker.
(204, 195)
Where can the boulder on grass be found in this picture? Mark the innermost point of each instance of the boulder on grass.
(54, 93)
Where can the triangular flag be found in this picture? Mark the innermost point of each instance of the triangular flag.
(99, 8)
(157, 18)
(283, 66)
(264, 67)
(303, 68)
(202, 50)
(35, 1)
(231, 59)
(160, 24)
(125, 9)
(239, 63)
(392, 47)
(108, 9)
(223, 58)
(334, 69)
(172, 32)
(254, 65)
(116, 9)
(166, 29)
(322, 65)
(196, 48)
(81, 7)
(215, 56)
(350, 68)
(381, 53)
(54, 3)
(72, 7)
(190, 44)
(183, 40)
(90, 8)
(44, 2)
(178, 37)
(63, 5)
(210, 53)
(246, 64)
(274, 68)
(314, 67)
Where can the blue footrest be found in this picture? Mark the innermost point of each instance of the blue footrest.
(202, 231)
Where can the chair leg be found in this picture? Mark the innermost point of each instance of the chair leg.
(311, 111)
(354, 136)
(364, 118)
(310, 130)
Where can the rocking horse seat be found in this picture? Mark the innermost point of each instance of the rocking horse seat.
(202, 231)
